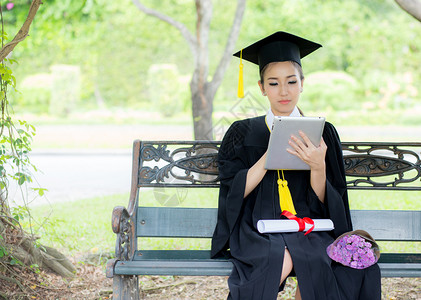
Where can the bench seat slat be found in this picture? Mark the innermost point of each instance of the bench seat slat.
(174, 262)
(198, 263)
(223, 268)
(200, 223)
(151, 255)
(400, 270)
(171, 254)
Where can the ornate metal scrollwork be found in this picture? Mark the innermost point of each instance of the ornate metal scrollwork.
(148, 152)
(124, 240)
(179, 163)
(367, 165)
(380, 165)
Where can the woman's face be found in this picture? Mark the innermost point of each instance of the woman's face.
(282, 85)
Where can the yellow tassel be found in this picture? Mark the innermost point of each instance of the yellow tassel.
(240, 92)
(285, 199)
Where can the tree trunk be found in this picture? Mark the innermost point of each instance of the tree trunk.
(202, 112)
(199, 86)
(413, 7)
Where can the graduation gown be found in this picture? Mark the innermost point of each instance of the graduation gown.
(258, 258)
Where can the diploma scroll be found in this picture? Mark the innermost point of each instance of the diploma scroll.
(273, 226)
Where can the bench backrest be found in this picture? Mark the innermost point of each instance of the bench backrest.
(372, 166)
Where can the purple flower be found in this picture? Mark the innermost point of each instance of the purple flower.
(10, 5)
(353, 251)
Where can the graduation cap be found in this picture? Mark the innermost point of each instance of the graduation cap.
(280, 46)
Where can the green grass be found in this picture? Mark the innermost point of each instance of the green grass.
(79, 226)
(384, 200)
(85, 225)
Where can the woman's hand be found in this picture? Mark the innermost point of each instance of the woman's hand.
(315, 158)
(308, 152)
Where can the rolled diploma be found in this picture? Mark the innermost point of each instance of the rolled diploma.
(272, 226)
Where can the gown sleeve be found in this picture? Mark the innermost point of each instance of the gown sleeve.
(336, 201)
(232, 163)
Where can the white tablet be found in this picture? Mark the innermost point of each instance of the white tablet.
(283, 127)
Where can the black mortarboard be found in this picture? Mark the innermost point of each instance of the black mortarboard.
(280, 46)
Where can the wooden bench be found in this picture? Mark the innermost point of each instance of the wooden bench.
(172, 164)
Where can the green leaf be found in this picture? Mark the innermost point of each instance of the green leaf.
(35, 267)
(41, 191)
(22, 179)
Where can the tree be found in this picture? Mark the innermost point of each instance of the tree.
(202, 89)
(413, 7)
(17, 247)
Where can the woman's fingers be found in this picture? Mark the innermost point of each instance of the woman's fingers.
(306, 150)
(307, 141)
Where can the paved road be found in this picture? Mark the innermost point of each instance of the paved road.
(71, 175)
(76, 166)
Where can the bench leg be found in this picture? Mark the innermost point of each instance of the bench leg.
(125, 287)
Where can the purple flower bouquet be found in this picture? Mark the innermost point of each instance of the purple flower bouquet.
(355, 249)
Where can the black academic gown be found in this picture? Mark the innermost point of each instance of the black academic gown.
(258, 258)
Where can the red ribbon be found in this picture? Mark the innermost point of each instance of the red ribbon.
(301, 222)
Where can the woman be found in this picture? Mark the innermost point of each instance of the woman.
(249, 192)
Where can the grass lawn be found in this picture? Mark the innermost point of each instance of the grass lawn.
(85, 225)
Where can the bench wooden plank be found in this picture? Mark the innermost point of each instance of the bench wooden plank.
(400, 270)
(198, 263)
(389, 225)
(176, 222)
(181, 267)
(223, 268)
(171, 255)
(200, 223)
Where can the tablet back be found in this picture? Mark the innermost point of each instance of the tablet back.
(282, 129)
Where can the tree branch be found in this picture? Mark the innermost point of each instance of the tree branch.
(23, 32)
(183, 29)
(232, 38)
(412, 7)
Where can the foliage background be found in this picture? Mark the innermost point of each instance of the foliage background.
(368, 65)
(368, 68)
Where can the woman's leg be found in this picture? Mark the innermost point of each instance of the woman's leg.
(286, 269)
(286, 266)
